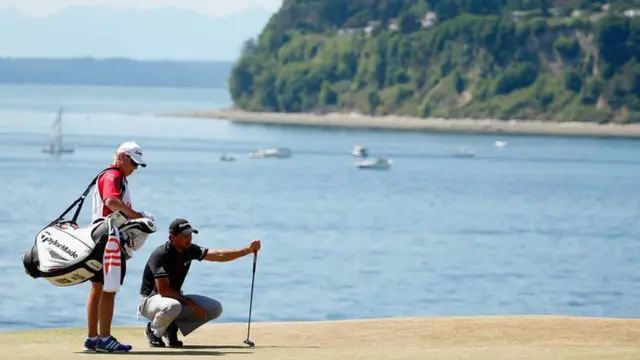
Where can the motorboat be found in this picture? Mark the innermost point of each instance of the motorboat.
(279, 153)
(359, 151)
(500, 144)
(227, 158)
(381, 164)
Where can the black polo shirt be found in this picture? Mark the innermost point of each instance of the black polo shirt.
(165, 261)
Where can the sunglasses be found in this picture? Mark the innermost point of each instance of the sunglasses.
(135, 164)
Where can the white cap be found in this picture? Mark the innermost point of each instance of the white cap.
(133, 150)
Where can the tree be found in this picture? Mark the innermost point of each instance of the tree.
(409, 23)
(612, 34)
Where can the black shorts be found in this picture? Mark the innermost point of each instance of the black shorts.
(99, 277)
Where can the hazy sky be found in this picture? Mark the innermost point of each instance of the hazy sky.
(213, 8)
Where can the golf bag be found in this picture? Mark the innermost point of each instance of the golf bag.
(65, 254)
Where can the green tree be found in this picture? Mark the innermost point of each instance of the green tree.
(573, 80)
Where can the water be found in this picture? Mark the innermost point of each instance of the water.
(545, 226)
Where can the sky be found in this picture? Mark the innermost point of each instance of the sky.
(213, 8)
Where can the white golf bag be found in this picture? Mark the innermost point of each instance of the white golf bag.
(65, 254)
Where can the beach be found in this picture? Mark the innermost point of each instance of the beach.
(353, 120)
(443, 338)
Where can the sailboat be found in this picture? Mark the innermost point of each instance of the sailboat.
(55, 146)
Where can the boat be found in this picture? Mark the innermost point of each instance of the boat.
(381, 164)
(359, 151)
(55, 145)
(464, 153)
(227, 158)
(500, 144)
(279, 153)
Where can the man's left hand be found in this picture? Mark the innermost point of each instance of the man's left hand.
(254, 246)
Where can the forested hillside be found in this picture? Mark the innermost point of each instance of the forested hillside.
(560, 60)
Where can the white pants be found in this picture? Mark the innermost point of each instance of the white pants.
(162, 311)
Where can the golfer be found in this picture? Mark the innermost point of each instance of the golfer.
(163, 302)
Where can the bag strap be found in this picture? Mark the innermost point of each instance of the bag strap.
(80, 201)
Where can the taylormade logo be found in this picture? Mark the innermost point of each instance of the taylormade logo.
(65, 248)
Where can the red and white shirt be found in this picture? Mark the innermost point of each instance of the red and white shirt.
(109, 185)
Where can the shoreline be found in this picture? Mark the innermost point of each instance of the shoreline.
(401, 123)
(457, 337)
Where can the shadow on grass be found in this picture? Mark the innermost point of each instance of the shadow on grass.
(174, 352)
(200, 350)
(246, 347)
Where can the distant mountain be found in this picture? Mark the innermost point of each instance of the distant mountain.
(116, 72)
(105, 32)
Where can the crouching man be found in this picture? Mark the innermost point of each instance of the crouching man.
(162, 302)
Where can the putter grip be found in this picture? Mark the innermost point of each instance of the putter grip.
(255, 257)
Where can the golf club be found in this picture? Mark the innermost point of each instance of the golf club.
(253, 277)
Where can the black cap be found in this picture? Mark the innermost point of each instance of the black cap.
(181, 226)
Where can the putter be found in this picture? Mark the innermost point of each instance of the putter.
(253, 277)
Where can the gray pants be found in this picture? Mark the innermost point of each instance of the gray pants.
(162, 311)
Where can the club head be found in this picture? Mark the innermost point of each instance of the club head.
(250, 343)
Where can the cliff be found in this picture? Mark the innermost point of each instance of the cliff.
(508, 59)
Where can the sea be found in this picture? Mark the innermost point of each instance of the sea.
(544, 225)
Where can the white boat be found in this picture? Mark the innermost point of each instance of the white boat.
(374, 164)
(500, 144)
(465, 153)
(279, 153)
(359, 151)
(55, 145)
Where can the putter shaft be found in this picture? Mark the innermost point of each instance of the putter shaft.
(253, 277)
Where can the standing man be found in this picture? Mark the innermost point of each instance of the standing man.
(111, 195)
(163, 302)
